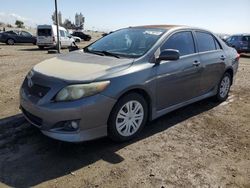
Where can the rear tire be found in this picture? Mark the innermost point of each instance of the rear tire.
(224, 88)
(127, 118)
(10, 42)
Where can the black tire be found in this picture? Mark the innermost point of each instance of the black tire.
(10, 41)
(41, 47)
(219, 97)
(112, 130)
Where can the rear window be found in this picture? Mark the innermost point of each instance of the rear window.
(44, 32)
(205, 42)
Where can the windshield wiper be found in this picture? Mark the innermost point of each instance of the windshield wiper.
(108, 53)
(102, 53)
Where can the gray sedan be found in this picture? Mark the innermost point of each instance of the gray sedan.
(131, 76)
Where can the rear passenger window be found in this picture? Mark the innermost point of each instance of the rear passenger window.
(205, 42)
(246, 38)
(62, 33)
(182, 41)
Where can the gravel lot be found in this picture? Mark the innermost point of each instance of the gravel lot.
(205, 144)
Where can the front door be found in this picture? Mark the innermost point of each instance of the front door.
(25, 37)
(178, 81)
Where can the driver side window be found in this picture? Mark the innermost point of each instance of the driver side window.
(182, 41)
(25, 34)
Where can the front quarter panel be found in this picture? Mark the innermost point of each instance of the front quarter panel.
(138, 76)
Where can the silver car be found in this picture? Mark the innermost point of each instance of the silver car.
(131, 76)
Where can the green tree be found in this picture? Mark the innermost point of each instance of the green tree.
(19, 24)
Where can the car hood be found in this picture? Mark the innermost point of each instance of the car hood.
(80, 66)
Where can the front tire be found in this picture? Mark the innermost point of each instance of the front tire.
(127, 118)
(224, 88)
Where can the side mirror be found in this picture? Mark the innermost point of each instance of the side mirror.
(168, 55)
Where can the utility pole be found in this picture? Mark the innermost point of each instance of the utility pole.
(57, 29)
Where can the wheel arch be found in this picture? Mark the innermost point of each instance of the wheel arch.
(231, 72)
(9, 39)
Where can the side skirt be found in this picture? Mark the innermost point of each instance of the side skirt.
(177, 106)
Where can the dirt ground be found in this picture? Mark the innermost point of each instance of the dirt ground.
(205, 144)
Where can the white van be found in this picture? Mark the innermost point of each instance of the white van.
(47, 36)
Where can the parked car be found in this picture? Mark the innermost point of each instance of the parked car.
(240, 42)
(47, 36)
(12, 37)
(82, 35)
(131, 76)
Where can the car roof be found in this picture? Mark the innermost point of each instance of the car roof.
(243, 34)
(170, 27)
(167, 27)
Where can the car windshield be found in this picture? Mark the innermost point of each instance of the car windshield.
(130, 42)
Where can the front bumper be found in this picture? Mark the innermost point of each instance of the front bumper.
(93, 113)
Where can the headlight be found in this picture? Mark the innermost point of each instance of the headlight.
(74, 92)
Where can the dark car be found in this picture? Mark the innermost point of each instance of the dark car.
(12, 37)
(118, 83)
(240, 42)
(82, 35)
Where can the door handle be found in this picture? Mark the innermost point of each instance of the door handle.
(196, 63)
(222, 58)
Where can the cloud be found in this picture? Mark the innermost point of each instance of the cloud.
(10, 18)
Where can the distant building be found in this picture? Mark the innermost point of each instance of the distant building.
(79, 20)
(60, 18)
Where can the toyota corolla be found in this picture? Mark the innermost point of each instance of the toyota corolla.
(118, 83)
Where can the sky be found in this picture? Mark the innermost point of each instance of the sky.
(220, 16)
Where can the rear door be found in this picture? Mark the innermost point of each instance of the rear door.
(44, 36)
(178, 81)
(212, 59)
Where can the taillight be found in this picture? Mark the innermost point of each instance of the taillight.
(238, 57)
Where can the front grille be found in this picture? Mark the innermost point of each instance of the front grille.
(32, 118)
(36, 89)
